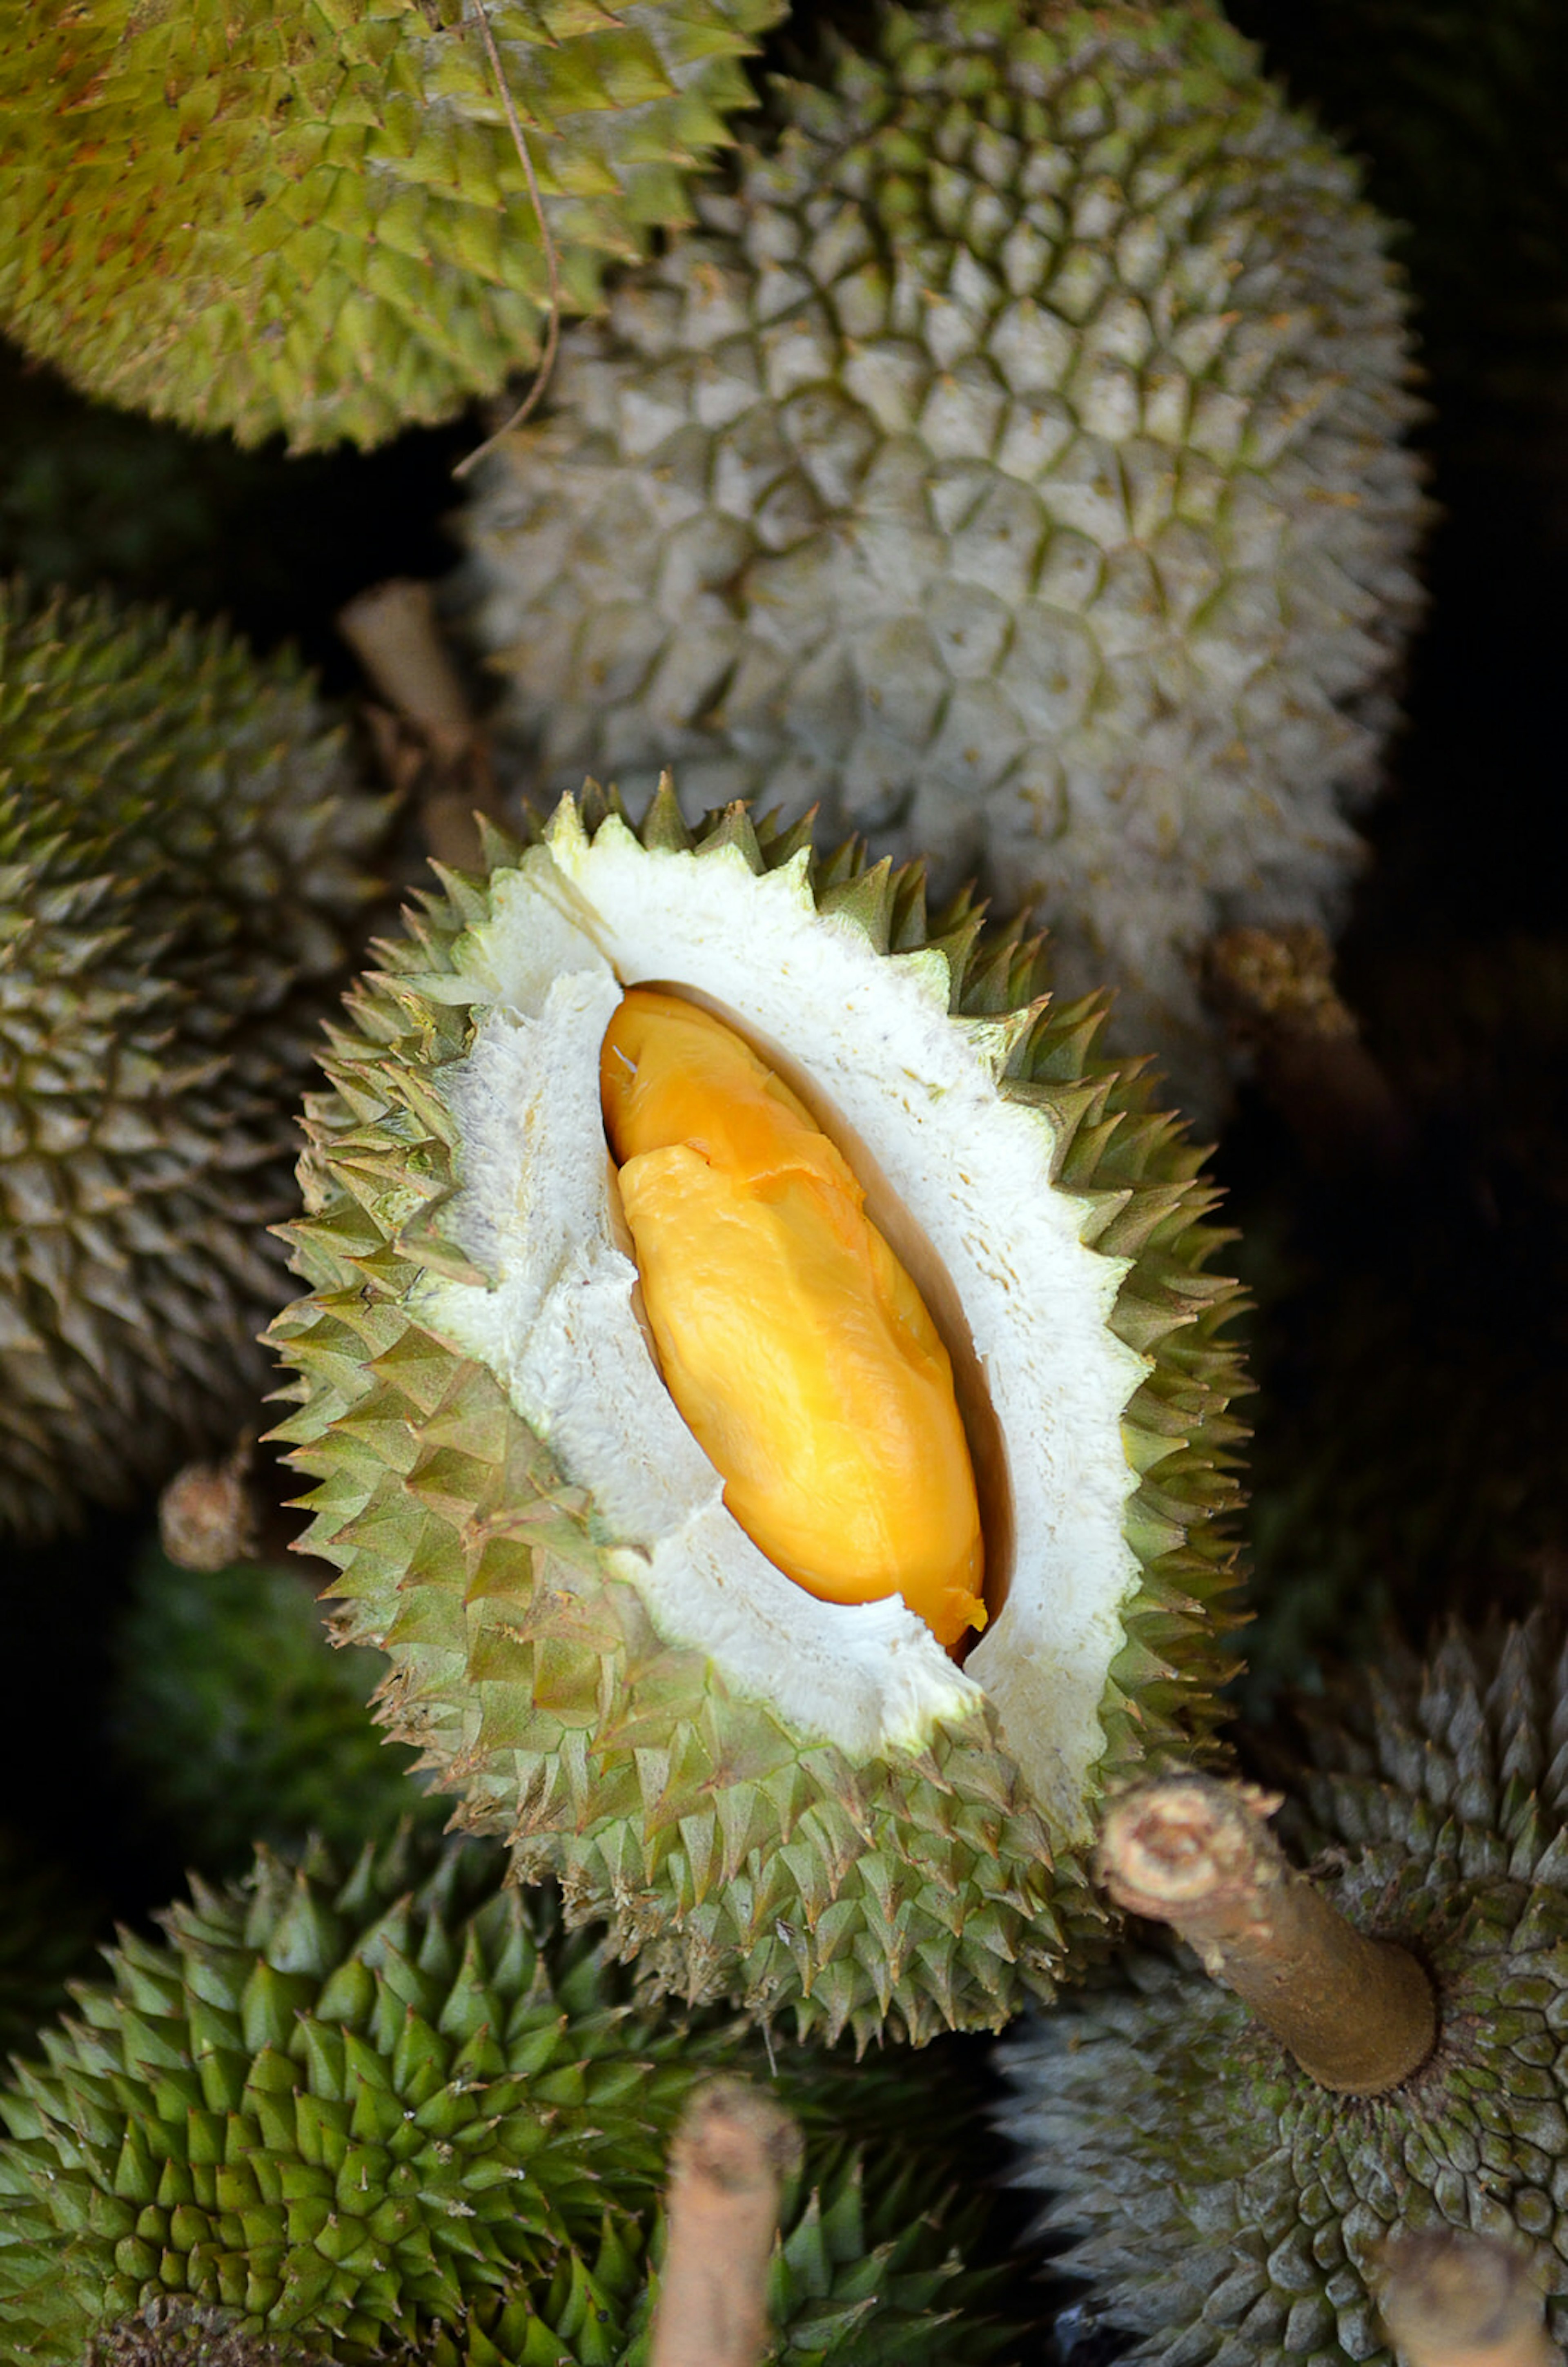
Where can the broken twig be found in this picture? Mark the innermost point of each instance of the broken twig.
(1452, 2299)
(1358, 2014)
(732, 2152)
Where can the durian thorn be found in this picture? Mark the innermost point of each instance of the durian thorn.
(552, 262)
(734, 2149)
(1452, 2299)
(1358, 2014)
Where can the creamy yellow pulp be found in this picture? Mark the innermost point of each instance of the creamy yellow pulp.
(797, 1347)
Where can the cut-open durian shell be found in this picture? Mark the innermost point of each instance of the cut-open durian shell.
(808, 1804)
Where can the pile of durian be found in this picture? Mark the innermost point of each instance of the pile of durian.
(650, 1182)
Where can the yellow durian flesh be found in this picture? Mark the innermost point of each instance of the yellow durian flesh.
(797, 1349)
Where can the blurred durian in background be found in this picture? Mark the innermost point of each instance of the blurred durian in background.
(183, 847)
(312, 218)
(236, 1722)
(1012, 466)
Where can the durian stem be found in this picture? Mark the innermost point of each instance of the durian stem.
(552, 261)
(732, 2152)
(440, 753)
(391, 629)
(1451, 2299)
(1358, 2014)
(1276, 990)
(209, 1514)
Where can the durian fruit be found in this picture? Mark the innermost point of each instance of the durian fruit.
(234, 1721)
(1223, 2203)
(405, 2116)
(312, 217)
(181, 849)
(806, 1802)
(46, 1936)
(1011, 467)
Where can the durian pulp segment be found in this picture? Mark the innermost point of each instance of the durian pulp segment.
(557, 1324)
(796, 1346)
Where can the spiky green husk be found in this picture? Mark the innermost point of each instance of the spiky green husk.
(1010, 467)
(236, 1722)
(181, 838)
(925, 1887)
(313, 218)
(405, 2114)
(1225, 2206)
(46, 1936)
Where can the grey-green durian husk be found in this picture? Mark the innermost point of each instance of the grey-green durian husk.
(1225, 2208)
(1011, 467)
(184, 836)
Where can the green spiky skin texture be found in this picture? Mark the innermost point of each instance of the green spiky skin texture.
(313, 219)
(183, 2334)
(404, 2114)
(236, 1722)
(46, 1937)
(181, 849)
(1012, 468)
(739, 1854)
(1226, 2208)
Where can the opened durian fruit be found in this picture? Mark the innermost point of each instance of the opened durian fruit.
(1382, 2049)
(1009, 464)
(807, 1667)
(397, 2113)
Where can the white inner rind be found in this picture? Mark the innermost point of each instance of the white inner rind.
(576, 922)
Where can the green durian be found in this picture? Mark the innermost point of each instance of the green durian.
(405, 2115)
(312, 217)
(1011, 468)
(235, 1721)
(1225, 2206)
(808, 1804)
(46, 1935)
(181, 845)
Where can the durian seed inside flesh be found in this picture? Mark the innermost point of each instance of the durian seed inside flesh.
(798, 1351)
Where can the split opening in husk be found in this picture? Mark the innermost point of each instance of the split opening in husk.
(892, 1218)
